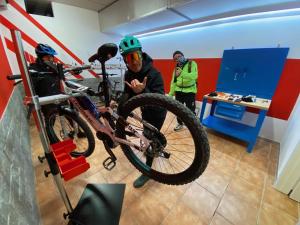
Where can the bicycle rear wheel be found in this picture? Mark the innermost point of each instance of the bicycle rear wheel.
(177, 157)
(74, 128)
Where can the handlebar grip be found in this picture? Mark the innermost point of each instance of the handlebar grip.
(77, 69)
(13, 77)
(85, 67)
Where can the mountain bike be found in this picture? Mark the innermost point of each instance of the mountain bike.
(178, 157)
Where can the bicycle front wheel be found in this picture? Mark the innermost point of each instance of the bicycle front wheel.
(69, 125)
(173, 157)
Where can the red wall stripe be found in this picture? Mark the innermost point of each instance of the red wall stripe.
(6, 86)
(46, 32)
(287, 91)
(283, 101)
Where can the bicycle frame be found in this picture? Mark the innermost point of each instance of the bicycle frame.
(90, 112)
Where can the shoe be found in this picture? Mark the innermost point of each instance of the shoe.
(178, 127)
(140, 181)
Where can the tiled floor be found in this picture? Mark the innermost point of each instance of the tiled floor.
(236, 188)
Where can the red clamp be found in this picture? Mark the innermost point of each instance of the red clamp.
(69, 167)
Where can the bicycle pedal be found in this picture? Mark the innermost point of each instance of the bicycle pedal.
(109, 163)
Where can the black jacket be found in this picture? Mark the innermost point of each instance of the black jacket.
(48, 84)
(155, 84)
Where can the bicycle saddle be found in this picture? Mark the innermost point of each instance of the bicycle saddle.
(105, 52)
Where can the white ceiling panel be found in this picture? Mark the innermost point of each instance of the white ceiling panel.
(163, 18)
(204, 8)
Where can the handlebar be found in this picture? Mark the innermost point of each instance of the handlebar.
(79, 68)
(14, 77)
(40, 74)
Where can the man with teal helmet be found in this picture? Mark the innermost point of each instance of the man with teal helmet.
(141, 77)
(129, 44)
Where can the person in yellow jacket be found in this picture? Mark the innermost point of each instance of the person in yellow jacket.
(184, 83)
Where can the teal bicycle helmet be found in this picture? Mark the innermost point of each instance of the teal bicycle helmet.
(129, 44)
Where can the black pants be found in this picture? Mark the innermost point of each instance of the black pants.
(153, 115)
(188, 99)
(156, 118)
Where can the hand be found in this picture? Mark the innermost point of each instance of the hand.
(137, 86)
(113, 104)
(178, 71)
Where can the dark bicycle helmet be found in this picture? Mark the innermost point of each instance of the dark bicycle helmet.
(129, 44)
(43, 49)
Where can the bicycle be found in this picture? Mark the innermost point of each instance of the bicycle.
(65, 119)
(178, 157)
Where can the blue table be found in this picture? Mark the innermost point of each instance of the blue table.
(234, 128)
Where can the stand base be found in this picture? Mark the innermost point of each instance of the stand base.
(100, 204)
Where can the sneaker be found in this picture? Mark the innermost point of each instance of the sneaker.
(140, 181)
(178, 127)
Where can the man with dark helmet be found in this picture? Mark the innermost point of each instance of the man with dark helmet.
(49, 83)
(141, 77)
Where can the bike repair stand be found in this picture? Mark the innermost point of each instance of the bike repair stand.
(100, 204)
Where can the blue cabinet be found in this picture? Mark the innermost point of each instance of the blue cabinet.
(230, 110)
(243, 72)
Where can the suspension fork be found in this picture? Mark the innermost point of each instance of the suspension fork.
(124, 123)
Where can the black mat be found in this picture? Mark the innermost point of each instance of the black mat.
(100, 204)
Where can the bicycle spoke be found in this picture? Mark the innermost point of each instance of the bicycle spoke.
(182, 152)
(168, 126)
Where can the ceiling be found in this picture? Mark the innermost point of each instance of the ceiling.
(138, 16)
(95, 5)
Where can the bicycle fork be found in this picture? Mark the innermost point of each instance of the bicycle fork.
(111, 141)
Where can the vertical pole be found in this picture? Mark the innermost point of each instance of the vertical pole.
(29, 91)
(204, 101)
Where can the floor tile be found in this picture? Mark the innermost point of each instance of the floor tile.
(132, 193)
(238, 211)
(148, 209)
(225, 163)
(251, 174)
(167, 193)
(202, 202)
(245, 191)
(214, 181)
(270, 215)
(119, 172)
(233, 148)
(280, 201)
(219, 220)
(228, 193)
(274, 155)
(262, 149)
(260, 163)
(181, 214)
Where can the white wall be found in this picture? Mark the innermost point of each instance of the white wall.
(78, 30)
(288, 176)
(210, 42)
(291, 138)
